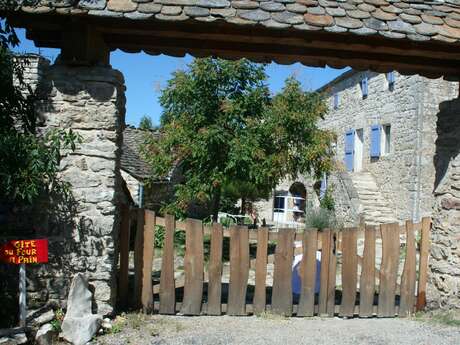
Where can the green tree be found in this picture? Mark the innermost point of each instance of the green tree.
(221, 124)
(29, 160)
(146, 122)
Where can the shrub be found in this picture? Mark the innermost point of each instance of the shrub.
(321, 218)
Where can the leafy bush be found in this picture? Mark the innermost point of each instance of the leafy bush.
(327, 202)
(321, 218)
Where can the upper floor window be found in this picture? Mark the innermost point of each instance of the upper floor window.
(365, 86)
(391, 80)
(336, 100)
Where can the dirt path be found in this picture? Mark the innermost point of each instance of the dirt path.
(174, 330)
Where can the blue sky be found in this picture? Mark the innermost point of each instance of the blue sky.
(145, 75)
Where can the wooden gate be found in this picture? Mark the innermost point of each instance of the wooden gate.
(364, 271)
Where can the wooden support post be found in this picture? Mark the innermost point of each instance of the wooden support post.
(167, 287)
(147, 257)
(83, 44)
(423, 263)
(138, 247)
(123, 277)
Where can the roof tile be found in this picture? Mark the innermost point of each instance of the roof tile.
(449, 31)
(271, 6)
(336, 12)
(121, 6)
(358, 14)
(318, 20)
(245, 4)
(349, 23)
(287, 17)
(254, 15)
(431, 19)
(426, 29)
(379, 14)
(452, 22)
(410, 18)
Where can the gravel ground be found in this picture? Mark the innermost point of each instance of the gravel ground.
(205, 330)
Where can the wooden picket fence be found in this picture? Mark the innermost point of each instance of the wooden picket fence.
(360, 293)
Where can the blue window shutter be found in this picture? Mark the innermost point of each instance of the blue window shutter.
(336, 100)
(349, 149)
(391, 77)
(391, 80)
(364, 86)
(375, 141)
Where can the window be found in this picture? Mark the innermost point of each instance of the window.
(391, 80)
(364, 87)
(380, 140)
(336, 100)
(279, 203)
(385, 140)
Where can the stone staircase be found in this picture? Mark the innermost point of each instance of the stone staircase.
(373, 205)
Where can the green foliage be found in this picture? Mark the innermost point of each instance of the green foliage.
(327, 202)
(321, 218)
(56, 323)
(29, 160)
(146, 122)
(231, 138)
(179, 239)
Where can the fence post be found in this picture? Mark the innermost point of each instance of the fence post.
(123, 277)
(138, 247)
(147, 258)
(423, 263)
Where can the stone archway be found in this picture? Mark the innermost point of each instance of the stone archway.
(86, 94)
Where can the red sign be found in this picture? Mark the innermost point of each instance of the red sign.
(25, 252)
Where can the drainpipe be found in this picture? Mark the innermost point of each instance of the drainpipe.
(419, 99)
(140, 195)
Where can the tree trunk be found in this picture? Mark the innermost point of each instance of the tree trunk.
(215, 205)
(243, 202)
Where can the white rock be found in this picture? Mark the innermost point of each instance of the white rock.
(44, 318)
(80, 325)
(45, 335)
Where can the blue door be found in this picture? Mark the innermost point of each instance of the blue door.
(349, 149)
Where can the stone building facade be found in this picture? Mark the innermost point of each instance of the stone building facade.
(386, 131)
(82, 229)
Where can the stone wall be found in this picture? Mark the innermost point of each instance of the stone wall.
(82, 228)
(444, 265)
(405, 176)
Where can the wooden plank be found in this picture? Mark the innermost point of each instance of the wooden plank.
(388, 270)
(123, 277)
(367, 281)
(239, 270)
(260, 296)
(167, 284)
(324, 275)
(138, 258)
(215, 271)
(308, 273)
(349, 272)
(282, 276)
(407, 299)
(147, 258)
(423, 263)
(194, 268)
(331, 280)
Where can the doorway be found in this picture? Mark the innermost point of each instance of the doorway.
(358, 156)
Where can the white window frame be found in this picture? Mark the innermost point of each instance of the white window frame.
(385, 139)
